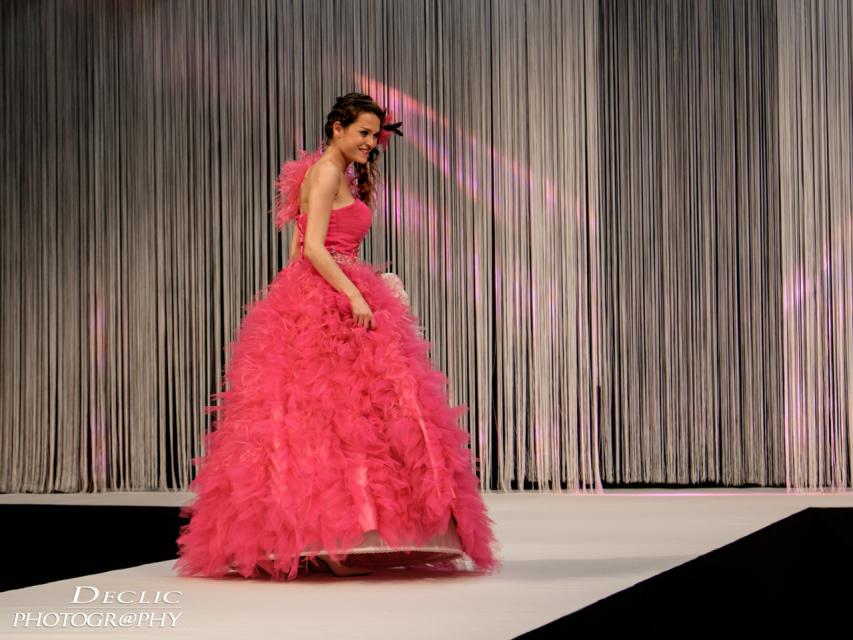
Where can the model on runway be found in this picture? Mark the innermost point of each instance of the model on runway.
(333, 436)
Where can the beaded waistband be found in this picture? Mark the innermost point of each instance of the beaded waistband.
(342, 256)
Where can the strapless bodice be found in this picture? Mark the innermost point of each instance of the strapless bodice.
(347, 227)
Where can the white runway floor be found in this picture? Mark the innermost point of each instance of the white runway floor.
(560, 552)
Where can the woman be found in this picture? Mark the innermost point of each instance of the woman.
(333, 441)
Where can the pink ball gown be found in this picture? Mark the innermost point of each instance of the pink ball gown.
(329, 437)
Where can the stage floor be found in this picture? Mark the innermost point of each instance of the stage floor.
(560, 553)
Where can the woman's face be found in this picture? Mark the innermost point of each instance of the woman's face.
(358, 139)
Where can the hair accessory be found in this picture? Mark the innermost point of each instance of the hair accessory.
(387, 129)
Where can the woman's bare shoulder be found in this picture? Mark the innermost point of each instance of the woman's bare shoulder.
(322, 175)
(323, 169)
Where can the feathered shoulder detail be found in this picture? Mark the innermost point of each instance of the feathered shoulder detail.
(288, 184)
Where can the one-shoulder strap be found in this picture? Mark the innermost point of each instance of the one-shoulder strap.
(289, 183)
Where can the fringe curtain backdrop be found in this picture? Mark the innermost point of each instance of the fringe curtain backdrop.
(625, 226)
(690, 241)
(816, 212)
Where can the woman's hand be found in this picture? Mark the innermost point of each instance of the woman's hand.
(361, 312)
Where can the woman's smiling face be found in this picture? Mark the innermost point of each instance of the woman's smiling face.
(358, 140)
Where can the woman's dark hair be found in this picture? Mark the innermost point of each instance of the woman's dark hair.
(347, 109)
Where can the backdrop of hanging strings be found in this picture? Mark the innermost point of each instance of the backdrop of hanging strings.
(625, 227)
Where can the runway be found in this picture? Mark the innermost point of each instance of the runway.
(561, 553)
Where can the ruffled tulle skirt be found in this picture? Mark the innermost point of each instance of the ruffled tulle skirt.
(332, 438)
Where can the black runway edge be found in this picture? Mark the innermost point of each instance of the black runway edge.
(47, 542)
(790, 578)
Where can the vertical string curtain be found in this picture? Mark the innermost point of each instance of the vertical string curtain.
(625, 227)
(690, 244)
(816, 210)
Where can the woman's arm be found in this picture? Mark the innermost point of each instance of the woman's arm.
(320, 200)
